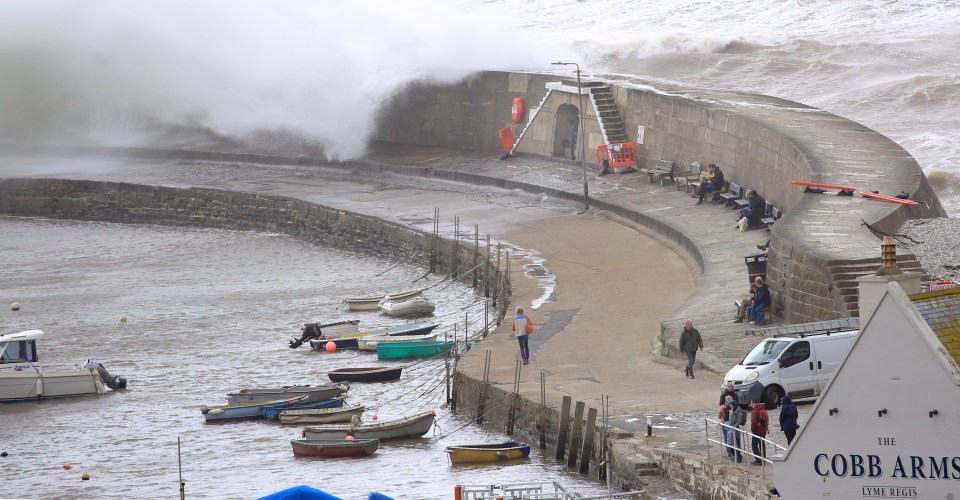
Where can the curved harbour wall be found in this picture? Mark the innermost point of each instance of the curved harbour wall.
(760, 142)
(212, 208)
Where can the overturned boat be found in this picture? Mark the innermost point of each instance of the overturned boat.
(24, 378)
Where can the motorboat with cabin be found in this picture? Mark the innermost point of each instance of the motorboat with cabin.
(24, 378)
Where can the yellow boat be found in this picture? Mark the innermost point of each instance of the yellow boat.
(480, 453)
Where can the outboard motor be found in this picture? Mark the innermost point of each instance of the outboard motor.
(310, 331)
(115, 382)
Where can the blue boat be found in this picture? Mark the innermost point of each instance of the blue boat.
(273, 413)
(246, 410)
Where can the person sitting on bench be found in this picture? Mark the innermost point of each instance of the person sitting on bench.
(712, 181)
(761, 301)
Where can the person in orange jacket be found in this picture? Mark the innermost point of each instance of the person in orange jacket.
(522, 326)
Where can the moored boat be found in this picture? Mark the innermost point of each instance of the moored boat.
(480, 453)
(293, 416)
(251, 409)
(370, 343)
(320, 330)
(273, 413)
(345, 342)
(406, 329)
(373, 303)
(24, 378)
(369, 374)
(334, 448)
(312, 392)
(411, 306)
(422, 349)
(413, 426)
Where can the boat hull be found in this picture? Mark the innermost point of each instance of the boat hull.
(32, 381)
(375, 374)
(502, 452)
(313, 393)
(370, 343)
(273, 413)
(404, 350)
(245, 410)
(414, 306)
(330, 448)
(373, 303)
(293, 416)
(410, 427)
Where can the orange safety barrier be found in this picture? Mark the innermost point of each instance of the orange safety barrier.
(506, 138)
(617, 155)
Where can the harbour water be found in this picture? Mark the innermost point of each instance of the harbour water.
(208, 312)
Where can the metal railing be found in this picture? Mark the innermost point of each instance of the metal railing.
(739, 446)
(530, 491)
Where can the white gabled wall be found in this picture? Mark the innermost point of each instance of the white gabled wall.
(855, 453)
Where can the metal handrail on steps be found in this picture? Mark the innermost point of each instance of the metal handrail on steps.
(719, 426)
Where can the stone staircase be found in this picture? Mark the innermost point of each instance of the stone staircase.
(611, 125)
(845, 276)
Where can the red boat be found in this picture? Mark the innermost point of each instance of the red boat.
(334, 448)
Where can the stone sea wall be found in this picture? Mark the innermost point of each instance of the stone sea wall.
(212, 208)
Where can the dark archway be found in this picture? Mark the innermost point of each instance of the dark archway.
(566, 130)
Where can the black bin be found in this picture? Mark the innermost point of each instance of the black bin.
(756, 266)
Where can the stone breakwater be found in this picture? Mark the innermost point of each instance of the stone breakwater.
(211, 208)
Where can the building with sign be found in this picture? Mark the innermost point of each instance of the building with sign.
(888, 425)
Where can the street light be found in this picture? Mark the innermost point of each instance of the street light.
(586, 197)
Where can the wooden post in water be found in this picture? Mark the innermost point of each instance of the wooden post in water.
(483, 389)
(476, 252)
(564, 424)
(575, 437)
(587, 452)
(543, 411)
(456, 247)
(486, 317)
(435, 244)
(486, 272)
(446, 365)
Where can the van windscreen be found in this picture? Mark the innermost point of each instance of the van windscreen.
(765, 352)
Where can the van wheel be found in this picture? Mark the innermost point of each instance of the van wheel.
(772, 397)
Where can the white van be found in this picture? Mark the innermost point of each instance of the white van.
(798, 366)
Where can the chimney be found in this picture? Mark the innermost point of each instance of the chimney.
(872, 288)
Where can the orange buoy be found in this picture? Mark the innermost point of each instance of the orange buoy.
(123, 319)
(350, 437)
(85, 476)
(516, 112)
(331, 346)
(67, 466)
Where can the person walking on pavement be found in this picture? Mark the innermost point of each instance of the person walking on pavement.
(724, 417)
(523, 326)
(729, 392)
(738, 417)
(690, 341)
(759, 422)
(788, 419)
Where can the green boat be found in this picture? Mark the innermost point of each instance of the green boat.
(421, 349)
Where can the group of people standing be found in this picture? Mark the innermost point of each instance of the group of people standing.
(734, 416)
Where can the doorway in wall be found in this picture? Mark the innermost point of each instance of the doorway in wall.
(566, 132)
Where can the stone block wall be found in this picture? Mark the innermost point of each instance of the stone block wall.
(211, 208)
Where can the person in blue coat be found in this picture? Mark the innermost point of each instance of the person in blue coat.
(788, 418)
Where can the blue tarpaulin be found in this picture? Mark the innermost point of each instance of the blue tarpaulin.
(300, 493)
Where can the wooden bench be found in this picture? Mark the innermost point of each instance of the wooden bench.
(691, 179)
(663, 170)
(773, 215)
(742, 202)
(733, 192)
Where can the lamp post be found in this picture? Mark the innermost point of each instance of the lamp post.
(586, 196)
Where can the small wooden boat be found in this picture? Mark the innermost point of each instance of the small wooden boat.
(293, 416)
(479, 453)
(413, 426)
(320, 330)
(406, 329)
(370, 374)
(422, 349)
(411, 306)
(250, 409)
(346, 342)
(334, 448)
(273, 413)
(371, 342)
(313, 393)
(373, 303)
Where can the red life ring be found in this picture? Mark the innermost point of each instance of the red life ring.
(517, 111)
